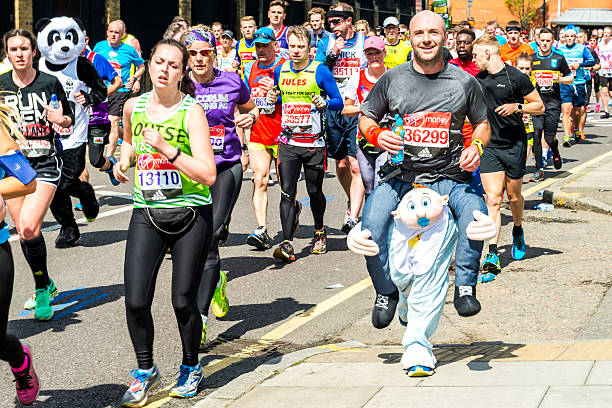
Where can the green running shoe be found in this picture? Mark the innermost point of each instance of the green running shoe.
(491, 263)
(43, 310)
(30, 304)
(220, 302)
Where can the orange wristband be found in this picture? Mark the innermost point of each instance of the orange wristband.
(372, 134)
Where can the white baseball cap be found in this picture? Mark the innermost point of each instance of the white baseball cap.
(391, 21)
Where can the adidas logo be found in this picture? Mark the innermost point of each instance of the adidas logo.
(425, 153)
(158, 196)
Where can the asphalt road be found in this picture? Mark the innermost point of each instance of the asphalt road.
(83, 356)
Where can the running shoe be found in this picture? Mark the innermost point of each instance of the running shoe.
(567, 141)
(518, 246)
(68, 237)
(204, 332)
(91, 207)
(347, 214)
(30, 304)
(349, 225)
(187, 383)
(319, 245)
(596, 108)
(224, 233)
(109, 171)
(43, 310)
(491, 263)
(420, 371)
(259, 239)
(557, 162)
(549, 154)
(220, 302)
(384, 309)
(582, 136)
(537, 176)
(78, 207)
(296, 223)
(284, 252)
(605, 115)
(142, 384)
(26, 380)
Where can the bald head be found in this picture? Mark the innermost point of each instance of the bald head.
(428, 19)
(114, 32)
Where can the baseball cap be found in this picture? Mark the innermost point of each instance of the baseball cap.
(227, 33)
(390, 21)
(264, 35)
(374, 42)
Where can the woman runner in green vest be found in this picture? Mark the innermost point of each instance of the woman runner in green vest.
(166, 134)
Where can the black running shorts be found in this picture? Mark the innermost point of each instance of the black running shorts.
(510, 160)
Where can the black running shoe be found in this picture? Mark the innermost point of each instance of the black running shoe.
(557, 162)
(384, 309)
(605, 115)
(465, 301)
(68, 237)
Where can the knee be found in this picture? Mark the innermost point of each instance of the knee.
(135, 306)
(342, 165)
(494, 201)
(180, 303)
(29, 231)
(97, 160)
(260, 181)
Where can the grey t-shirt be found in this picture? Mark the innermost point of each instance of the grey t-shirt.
(434, 108)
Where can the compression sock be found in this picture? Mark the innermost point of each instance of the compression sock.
(35, 252)
(517, 230)
(493, 248)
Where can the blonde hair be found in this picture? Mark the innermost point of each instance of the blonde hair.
(10, 119)
(300, 32)
(248, 18)
(488, 41)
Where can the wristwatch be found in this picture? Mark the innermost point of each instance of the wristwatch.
(254, 117)
(519, 107)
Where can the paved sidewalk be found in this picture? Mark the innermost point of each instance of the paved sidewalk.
(542, 375)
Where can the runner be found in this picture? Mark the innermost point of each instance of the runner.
(276, 15)
(217, 30)
(502, 165)
(450, 43)
(514, 47)
(227, 56)
(589, 74)
(370, 157)
(605, 56)
(129, 39)
(316, 16)
(175, 213)
(397, 51)
(245, 48)
(13, 351)
(596, 78)
(343, 53)
(444, 164)
(121, 56)
(523, 64)
(263, 145)
(548, 70)
(99, 124)
(219, 93)
(30, 92)
(302, 143)
(363, 27)
(573, 96)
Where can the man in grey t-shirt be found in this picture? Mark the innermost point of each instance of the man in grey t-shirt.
(433, 98)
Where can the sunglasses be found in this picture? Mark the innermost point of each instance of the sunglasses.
(265, 36)
(205, 52)
(335, 21)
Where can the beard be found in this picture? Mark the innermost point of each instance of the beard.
(430, 59)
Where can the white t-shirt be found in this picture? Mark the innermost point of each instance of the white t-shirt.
(225, 63)
(351, 86)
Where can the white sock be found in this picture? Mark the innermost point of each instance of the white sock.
(204, 319)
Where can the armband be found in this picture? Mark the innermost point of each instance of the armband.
(15, 164)
(478, 144)
(372, 134)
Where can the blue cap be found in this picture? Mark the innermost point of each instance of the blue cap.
(264, 35)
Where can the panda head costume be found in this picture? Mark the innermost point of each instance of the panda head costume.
(60, 39)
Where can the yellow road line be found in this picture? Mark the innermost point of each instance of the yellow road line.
(541, 185)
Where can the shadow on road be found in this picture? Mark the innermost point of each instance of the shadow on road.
(75, 300)
(94, 397)
(101, 238)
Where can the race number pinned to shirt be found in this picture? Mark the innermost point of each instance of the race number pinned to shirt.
(545, 80)
(35, 148)
(427, 134)
(158, 178)
(297, 116)
(346, 68)
(259, 93)
(62, 131)
(217, 138)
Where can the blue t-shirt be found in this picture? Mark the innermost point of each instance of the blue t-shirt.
(121, 58)
(580, 54)
(104, 68)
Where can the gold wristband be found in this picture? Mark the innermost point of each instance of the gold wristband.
(478, 144)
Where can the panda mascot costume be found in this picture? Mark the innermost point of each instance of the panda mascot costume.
(61, 41)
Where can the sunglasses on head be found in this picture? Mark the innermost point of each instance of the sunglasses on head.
(205, 52)
(335, 21)
(265, 36)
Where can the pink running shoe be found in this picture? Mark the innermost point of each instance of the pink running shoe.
(26, 380)
(596, 108)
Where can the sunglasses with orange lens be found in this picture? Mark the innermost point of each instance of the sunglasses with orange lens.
(205, 52)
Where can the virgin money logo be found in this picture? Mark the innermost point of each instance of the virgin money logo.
(297, 109)
(146, 162)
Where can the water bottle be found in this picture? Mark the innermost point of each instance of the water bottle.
(54, 102)
(545, 207)
(401, 132)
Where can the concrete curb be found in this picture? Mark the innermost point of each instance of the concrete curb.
(236, 388)
(575, 201)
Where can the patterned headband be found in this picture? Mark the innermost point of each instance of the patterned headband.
(200, 35)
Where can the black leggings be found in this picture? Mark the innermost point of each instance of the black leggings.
(144, 252)
(96, 140)
(224, 194)
(10, 346)
(289, 168)
(546, 124)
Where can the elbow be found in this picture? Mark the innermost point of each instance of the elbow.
(30, 188)
(210, 180)
(541, 109)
